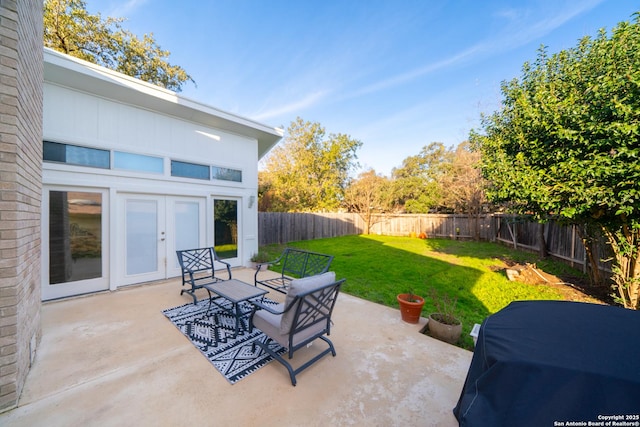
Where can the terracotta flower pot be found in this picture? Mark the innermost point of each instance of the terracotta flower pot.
(410, 310)
(443, 331)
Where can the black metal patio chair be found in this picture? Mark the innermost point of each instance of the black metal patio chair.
(304, 317)
(198, 269)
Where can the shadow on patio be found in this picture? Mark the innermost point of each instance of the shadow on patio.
(115, 359)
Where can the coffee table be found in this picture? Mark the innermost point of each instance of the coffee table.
(235, 292)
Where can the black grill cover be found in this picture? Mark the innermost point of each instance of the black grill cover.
(537, 363)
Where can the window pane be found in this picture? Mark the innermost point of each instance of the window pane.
(189, 170)
(187, 220)
(74, 155)
(75, 236)
(225, 174)
(87, 156)
(137, 162)
(142, 236)
(225, 228)
(54, 152)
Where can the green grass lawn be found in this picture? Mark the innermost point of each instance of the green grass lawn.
(377, 268)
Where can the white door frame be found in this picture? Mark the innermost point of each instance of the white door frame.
(153, 236)
(62, 290)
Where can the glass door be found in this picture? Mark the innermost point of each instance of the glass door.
(143, 243)
(74, 253)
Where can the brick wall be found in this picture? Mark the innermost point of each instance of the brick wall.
(21, 79)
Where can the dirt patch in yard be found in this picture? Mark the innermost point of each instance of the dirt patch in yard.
(571, 288)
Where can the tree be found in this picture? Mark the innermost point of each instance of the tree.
(369, 196)
(70, 29)
(566, 143)
(465, 184)
(416, 182)
(308, 171)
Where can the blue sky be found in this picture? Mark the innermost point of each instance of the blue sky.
(396, 75)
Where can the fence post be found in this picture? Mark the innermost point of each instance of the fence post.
(573, 243)
(454, 227)
(513, 237)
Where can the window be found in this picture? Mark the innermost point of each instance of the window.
(75, 236)
(74, 155)
(189, 170)
(137, 162)
(225, 174)
(225, 225)
(93, 157)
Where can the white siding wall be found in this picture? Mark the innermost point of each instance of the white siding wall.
(79, 118)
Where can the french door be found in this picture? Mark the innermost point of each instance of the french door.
(152, 228)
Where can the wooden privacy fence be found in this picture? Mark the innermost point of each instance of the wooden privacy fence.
(282, 227)
(563, 242)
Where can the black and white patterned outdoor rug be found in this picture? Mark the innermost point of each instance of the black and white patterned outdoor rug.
(212, 334)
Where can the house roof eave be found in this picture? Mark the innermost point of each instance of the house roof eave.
(75, 73)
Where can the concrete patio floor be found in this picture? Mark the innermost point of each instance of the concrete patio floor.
(113, 359)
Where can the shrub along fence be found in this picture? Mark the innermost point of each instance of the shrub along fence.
(563, 242)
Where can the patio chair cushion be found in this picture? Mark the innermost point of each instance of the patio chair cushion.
(269, 323)
(299, 286)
